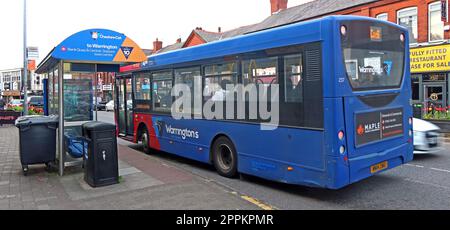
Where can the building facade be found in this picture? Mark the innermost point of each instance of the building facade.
(11, 82)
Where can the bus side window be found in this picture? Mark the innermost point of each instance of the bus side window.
(260, 71)
(162, 91)
(293, 78)
(142, 87)
(192, 78)
(217, 78)
(292, 101)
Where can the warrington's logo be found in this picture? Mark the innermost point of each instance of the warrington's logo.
(158, 126)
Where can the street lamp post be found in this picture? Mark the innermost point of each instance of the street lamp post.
(25, 64)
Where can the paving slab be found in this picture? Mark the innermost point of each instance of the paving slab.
(145, 183)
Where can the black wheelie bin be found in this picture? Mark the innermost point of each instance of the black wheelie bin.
(101, 161)
(37, 140)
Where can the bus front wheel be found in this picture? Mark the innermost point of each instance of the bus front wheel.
(225, 157)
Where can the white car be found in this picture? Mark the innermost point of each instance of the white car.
(427, 137)
(110, 106)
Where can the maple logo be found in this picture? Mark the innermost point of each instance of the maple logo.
(360, 130)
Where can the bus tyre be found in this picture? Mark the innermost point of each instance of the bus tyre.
(145, 141)
(225, 157)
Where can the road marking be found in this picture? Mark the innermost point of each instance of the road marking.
(434, 169)
(4, 183)
(7, 196)
(417, 166)
(426, 183)
(258, 203)
(440, 170)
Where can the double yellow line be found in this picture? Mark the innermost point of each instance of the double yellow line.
(258, 203)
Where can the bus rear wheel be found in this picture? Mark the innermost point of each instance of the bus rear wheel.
(145, 140)
(225, 157)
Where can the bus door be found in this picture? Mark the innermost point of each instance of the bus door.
(124, 105)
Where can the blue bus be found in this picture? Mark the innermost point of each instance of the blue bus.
(344, 102)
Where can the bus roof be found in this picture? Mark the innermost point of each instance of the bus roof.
(297, 33)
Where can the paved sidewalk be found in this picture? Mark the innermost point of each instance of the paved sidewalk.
(145, 184)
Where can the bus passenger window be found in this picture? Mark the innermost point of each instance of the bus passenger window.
(142, 87)
(192, 78)
(260, 71)
(217, 78)
(162, 91)
(293, 79)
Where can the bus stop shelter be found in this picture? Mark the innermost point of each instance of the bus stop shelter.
(71, 70)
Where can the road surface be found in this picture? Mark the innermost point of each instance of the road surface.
(422, 184)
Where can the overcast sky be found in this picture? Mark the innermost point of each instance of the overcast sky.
(51, 21)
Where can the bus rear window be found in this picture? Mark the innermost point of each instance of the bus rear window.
(374, 55)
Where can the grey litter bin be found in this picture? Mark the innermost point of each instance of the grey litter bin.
(37, 140)
(101, 166)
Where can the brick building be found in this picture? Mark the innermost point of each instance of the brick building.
(427, 21)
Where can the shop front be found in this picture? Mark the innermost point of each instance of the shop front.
(73, 70)
(430, 68)
(11, 94)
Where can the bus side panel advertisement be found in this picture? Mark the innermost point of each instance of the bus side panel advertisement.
(380, 125)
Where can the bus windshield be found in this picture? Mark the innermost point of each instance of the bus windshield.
(374, 55)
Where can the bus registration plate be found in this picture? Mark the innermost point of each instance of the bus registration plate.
(379, 167)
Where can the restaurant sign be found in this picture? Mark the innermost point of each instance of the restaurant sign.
(430, 59)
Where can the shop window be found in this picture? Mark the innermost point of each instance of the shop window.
(435, 77)
(436, 25)
(408, 18)
(162, 91)
(415, 82)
